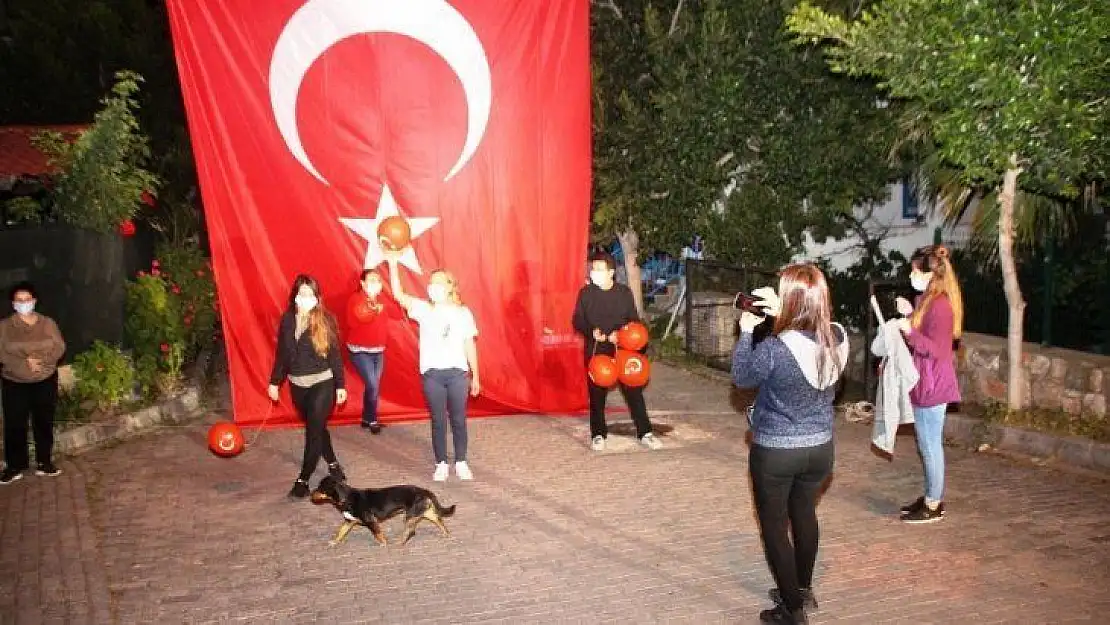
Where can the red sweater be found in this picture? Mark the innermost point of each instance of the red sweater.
(367, 327)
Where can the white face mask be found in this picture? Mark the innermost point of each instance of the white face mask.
(920, 281)
(305, 303)
(372, 289)
(24, 308)
(600, 278)
(437, 293)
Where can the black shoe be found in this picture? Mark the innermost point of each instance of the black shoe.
(299, 490)
(8, 476)
(809, 602)
(914, 506)
(48, 469)
(779, 614)
(373, 426)
(925, 514)
(917, 505)
(336, 470)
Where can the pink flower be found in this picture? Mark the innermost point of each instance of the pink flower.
(176, 289)
(165, 348)
(154, 272)
(155, 264)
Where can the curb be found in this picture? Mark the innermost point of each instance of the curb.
(174, 411)
(1069, 450)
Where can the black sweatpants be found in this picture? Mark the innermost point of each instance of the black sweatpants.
(314, 404)
(633, 396)
(786, 483)
(34, 402)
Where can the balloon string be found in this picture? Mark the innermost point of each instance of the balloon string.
(258, 430)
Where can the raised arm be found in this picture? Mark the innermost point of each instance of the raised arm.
(395, 283)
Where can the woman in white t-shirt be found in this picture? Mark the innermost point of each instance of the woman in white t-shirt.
(448, 362)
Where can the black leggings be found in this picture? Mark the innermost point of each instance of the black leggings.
(786, 483)
(35, 402)
(315, 404)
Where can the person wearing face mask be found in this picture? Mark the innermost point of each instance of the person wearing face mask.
(448, 362)
(30, 347)
(930, 326)
(603, 307)
(308, 355)
(367, 317)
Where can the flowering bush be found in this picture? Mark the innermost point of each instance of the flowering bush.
(104, 375)
(171, 314)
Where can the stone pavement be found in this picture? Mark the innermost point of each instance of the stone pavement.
(157, 530)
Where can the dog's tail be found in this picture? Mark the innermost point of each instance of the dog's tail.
(440, 510)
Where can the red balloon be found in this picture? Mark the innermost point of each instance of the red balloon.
(394, 233)
(603, 371)
(225, 439)
(633, 336)
(633, 368)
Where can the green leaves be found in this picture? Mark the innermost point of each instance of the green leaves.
(721, 127)
(102, 177)
(996, 78)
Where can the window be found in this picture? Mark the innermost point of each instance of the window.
(909, 199)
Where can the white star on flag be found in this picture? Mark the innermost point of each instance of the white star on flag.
(368, 229)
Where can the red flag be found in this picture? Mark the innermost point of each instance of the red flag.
(312, 121)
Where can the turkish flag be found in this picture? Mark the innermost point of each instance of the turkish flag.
(312, 121)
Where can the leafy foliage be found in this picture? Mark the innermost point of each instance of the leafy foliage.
(993, 78)
(24, 210)
(707, 120)
(188, 273)
(102, 177)
(105, 375)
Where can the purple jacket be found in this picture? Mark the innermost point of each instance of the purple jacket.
(931, 345)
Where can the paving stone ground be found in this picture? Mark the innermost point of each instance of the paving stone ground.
(157, 530)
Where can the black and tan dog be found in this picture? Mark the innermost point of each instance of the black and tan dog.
(370, 507)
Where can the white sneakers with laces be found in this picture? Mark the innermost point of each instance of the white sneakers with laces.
(441, 473)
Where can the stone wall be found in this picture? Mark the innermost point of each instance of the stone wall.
(1075, 382)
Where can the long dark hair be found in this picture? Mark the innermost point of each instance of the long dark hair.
(807, 307)
(320, 327)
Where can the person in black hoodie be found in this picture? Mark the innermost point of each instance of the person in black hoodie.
(308, 354)
(604, 307)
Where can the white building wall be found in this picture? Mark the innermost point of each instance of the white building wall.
(888, 222)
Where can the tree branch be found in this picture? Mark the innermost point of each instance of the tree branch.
(609, 4)
(674, 18)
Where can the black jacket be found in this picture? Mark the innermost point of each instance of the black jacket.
(298, 356)
(607, 311)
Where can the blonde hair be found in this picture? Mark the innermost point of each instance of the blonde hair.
(452, 285)
(936, 260)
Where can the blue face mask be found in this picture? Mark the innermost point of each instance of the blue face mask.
(24, 308)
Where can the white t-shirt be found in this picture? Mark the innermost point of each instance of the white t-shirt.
(444, 330)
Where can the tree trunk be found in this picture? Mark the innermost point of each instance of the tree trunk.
(1015, 334)
(630, 247)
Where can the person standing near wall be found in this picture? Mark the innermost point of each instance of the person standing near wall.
(30, 347)
(930, 327)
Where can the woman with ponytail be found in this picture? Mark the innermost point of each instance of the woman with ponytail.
(931, 325)
(308, 354)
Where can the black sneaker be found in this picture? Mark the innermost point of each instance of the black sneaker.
(8, 476)
(299, 490)
(336, 470)
(373, 426)
(925, 514)
(48, 469)
(779, 614)
(917, 505)
(809, 602)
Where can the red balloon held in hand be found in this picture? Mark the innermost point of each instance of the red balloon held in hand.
(633, 368)
(633, 336)
(225, 439)
(603, 371)
(394, 233)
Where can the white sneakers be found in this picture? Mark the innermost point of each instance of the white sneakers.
(462, 469)
(597, 443)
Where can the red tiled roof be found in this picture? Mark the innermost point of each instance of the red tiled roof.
(18, 157)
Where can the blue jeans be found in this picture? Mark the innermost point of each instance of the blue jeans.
(369, 366)
(928, 422)
(445, 391)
